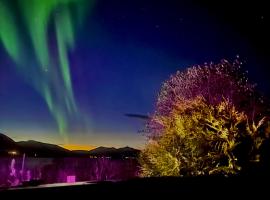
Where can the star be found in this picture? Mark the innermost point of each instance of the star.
(123, 17)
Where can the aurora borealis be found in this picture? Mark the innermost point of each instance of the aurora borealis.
(71, 69)
(49, 72)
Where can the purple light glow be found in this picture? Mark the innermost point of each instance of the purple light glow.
(65, 170)
(71, 179)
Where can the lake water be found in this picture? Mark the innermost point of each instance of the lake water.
(61, 170)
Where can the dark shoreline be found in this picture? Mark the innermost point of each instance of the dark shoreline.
(192, 187)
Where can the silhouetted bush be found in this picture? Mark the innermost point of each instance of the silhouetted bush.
(209, 120)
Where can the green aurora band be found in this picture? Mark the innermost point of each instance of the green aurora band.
(36, 60)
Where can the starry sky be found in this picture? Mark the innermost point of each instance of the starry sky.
(70, 70)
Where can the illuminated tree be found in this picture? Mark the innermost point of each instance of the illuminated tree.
(214, 82)
(201, 139)
(208, 120)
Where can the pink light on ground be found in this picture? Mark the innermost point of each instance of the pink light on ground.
(71, 179)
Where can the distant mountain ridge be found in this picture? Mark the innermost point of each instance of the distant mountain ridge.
(7, 143)
(34, 148)
(114, 152)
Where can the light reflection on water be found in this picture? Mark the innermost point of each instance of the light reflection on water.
(60, 170)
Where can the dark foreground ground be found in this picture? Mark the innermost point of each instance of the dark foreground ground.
(206, 187)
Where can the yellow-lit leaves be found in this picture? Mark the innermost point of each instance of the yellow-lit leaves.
(197, 139)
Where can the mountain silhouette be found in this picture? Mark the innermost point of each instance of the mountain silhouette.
(34, 148)
(103, 151)
(114, 153)
(7, 144)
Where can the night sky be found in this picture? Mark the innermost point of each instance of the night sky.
(111, 60)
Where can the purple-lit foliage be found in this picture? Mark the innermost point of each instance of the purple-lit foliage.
(13, 177)
(209, 120)
(84, 169)
(57, 170)
(213, 82)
